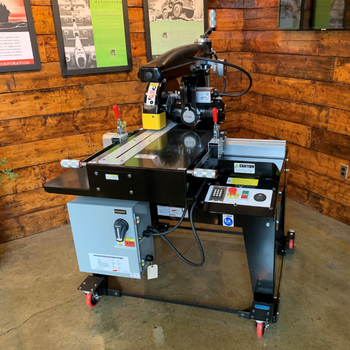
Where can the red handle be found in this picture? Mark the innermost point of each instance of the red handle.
(215, 115)
(116, 112)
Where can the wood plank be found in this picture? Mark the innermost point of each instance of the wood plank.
(43, 20)
(138, 44)
(342, 70)
(334, 43)
(324, 206)
(261, 19)
(29, 202)
(247, 61)
(331, 143)
(23, 130)
(233, 58)
(32, 103)
(51, 48)
(233, 132)
(7, 82)
(233, 104)
(136, 20)
(233, 120)
(319, 184)
(135, 3)
(228, 4)
(249, 134)
(233, 82)
(298, 194)
(29, 224)
(127, 92)
(28, 179)
(276, 128)
(286, 88)
(224, 41)
(333, 95)
(294, 66)
(318, 162)
(46, 151)
(291, 42)
(339, 121)
(229, 19)
(41, 48)
(301, 113)
(260, 3)
(40, 2)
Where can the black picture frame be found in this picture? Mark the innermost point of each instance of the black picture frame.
(30, 23)
(92, 70)
(150, 55)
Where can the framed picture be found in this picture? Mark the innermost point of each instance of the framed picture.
(290, 14)
(92, 36)
(330, 14)
(18, 45)
(172, 23)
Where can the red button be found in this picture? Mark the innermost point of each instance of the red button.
(232, 190)
(244, 196)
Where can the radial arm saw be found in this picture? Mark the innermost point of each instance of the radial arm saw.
(181, 167)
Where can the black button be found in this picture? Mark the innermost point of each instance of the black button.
(259, 197)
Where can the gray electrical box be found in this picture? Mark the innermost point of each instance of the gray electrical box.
(108, 236)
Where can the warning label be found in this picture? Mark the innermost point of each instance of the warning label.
(111, 263)
(244, 168)
(128, 242)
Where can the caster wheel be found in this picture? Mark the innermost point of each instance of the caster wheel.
(91, 300)
(260, 327)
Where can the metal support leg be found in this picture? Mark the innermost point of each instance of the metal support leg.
(259, 239)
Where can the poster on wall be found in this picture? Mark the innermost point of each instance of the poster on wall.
(169, 24)
(18, 46)
(92, 35)
(290, 14)
(329, 14)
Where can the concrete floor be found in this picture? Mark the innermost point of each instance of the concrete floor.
(40, 307)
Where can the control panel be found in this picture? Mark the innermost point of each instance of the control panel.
(254, 197)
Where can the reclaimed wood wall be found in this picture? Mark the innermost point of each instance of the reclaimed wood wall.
(45, 117)
(301, 93)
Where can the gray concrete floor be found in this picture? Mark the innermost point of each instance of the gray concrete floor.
(41, 308)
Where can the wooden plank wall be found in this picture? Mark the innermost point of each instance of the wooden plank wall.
(301, 93)
(45, 117)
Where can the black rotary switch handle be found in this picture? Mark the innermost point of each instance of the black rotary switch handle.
(120, 227)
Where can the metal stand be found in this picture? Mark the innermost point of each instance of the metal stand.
(263, 240)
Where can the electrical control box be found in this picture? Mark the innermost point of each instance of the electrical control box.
(108, 236)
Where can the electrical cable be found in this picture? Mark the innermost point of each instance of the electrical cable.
(197, 240)
(224, 88)
(232, 66)
(153, 232)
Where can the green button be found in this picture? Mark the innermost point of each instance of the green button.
(245, 192)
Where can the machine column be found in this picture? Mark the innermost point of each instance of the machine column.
(259, 239)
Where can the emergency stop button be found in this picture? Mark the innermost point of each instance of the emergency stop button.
(232, 191)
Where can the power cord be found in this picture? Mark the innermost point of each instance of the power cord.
(153, 232)
(232, 66)
(197, 240)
